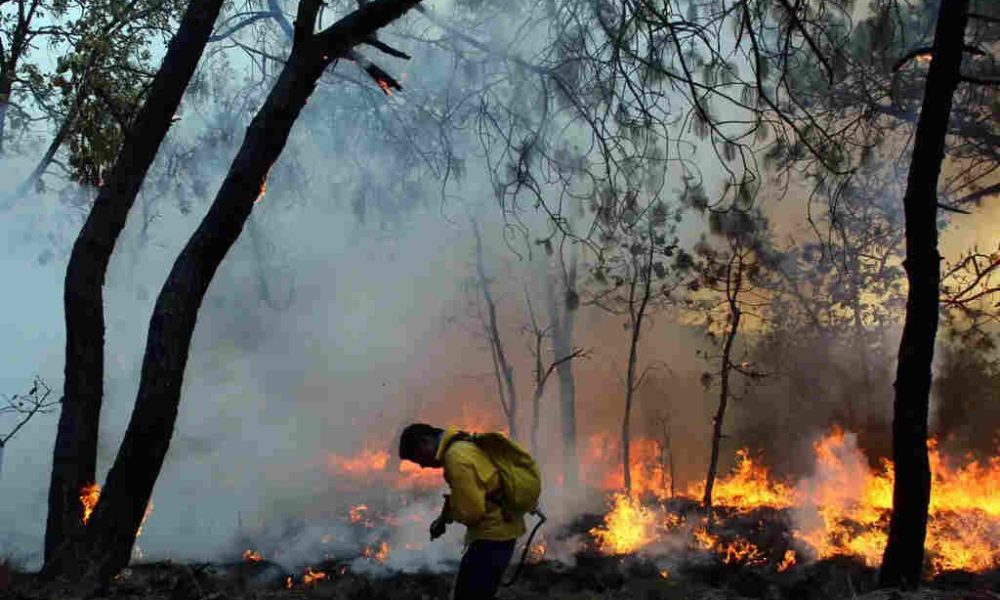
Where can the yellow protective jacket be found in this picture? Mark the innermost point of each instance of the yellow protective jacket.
(472, 477)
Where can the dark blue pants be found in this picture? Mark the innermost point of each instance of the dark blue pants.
(482, 568)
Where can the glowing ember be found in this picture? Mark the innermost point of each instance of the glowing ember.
(627, 528)
(356, 515)
(311, 576)
(664, 574)
(742, 552)
(537, 552)
(382, 83)
(145, 517)
(89, 496)
(252, 556)
(263, 190)
(288, 583)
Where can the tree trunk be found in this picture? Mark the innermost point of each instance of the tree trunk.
(562, 337)
(74, 457)
(720, 413)
(493, 331)
(6, 86)
(645, 275)
(902, 563)
(111, 531)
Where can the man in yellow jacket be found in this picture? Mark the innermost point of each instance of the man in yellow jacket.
(475, 485)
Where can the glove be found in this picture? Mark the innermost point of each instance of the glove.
(438, 527)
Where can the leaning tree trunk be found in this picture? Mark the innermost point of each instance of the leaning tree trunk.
(111, 531)
(902, 563)
(74, 457)
(720, 414)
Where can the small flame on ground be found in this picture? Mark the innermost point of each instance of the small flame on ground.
(311, 576)
(252, 556)
(787, 561)
(89, 496)
(382, 83)
(628, 527)
(378, 554)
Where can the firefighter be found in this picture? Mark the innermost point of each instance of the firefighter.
(475, 468)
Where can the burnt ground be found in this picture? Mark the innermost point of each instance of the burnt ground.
(593, 577)
(679, 573)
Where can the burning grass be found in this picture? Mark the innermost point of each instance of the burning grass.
(841, 510)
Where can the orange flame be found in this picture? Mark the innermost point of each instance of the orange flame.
(382, 83)
(252, 556)
(628, 527)
(842, 510)
(89, 496)
(263, 190)
(787, 561)
(853, 504)
(311, 576)
(378, 554)
(145, 517)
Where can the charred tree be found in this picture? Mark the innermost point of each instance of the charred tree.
(74, 458)
(902, 562)
(501, 366)
(734, 284)
(110, 533)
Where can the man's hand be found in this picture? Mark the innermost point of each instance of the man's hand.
(438, 527)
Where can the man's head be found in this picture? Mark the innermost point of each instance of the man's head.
(419, 443)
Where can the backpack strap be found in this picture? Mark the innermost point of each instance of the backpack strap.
(460, 436)
(496, 497)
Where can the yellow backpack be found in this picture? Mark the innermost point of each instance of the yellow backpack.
(520, 477)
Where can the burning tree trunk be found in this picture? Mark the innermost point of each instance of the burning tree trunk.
(504, 372)
(734, 283)
(74, 457)
(902, 562)
(562, 343)
(111, 531)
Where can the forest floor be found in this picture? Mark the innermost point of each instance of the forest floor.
(593, 578)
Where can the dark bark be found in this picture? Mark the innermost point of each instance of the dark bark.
(734, 282)
(902, 563)
(74, 458)
(502, 366)
(6, 86)
(110, 534)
